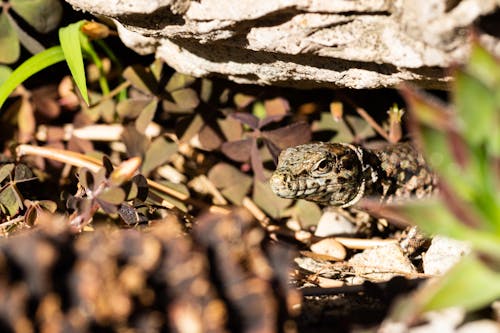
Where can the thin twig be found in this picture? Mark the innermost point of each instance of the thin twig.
(255, 211)
(362, 244)
(112, 93)
(12, 222)
(84, 161)
(372, 123)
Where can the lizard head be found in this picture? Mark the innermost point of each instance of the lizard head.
(328, 173)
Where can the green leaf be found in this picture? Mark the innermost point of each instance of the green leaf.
(31, 66)
(141, 78)
(483, 66)
(146, 116)
(11, 200)
(131, 108)
(43, 15)
(89, 50)
(5, 72)
(158, 153)
(69, 37)
(434, 217)
(179, 81)
(9, 42)
(30, 43)
(168, 199)
(308, 213)
(264, 197)
(475, 104)
(186, 99)
(6, 170)
(112, 195)
(470, 284)
(233, 183)
(259, 110)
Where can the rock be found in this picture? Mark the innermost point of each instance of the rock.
(443, 253)
(300, 43)
(329, 247)
(382, 263)
(332, 223)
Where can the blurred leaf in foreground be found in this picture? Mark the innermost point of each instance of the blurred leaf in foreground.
(462, 144)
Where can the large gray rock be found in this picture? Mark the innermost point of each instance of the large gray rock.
(303, 43)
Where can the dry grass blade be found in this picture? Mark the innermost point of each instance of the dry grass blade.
(81, 161)
(362, 112)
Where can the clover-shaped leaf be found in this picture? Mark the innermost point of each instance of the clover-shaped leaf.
(43, 15)
(232, 183)
(275, 140)
(8, 41)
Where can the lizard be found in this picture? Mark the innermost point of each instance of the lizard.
(341, 174)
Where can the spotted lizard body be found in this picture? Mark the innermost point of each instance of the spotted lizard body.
(341, 174)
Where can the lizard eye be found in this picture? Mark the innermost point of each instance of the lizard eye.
(322, 166)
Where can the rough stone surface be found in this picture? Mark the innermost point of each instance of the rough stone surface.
(332, 223)
(303, 43)
(443, 254)
(382, 263)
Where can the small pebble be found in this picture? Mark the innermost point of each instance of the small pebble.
(332, 223)
(329, 247)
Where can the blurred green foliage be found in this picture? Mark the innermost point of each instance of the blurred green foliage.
(462, 144)
(42, 15)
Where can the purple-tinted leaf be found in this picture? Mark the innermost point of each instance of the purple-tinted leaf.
(289, 136)
(231, 128)
(238, 150)
(271, 119)
(273, 149)
(209, 139)
(247, 119)
(256, 161)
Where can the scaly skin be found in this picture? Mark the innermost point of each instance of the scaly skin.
(341, 174)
